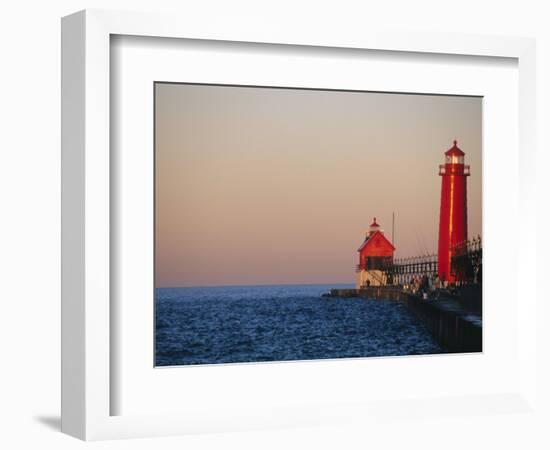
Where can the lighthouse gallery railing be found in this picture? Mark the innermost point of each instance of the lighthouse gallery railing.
(454, 169)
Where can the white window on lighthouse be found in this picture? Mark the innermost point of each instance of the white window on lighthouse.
(454, 159)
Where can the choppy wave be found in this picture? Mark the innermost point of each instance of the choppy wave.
(213, 325)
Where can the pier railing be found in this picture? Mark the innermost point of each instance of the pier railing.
(403, 270)
(466, 261)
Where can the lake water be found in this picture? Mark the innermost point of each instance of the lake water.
(212, 325)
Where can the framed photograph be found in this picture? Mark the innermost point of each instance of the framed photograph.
(265, 228)
(260, 203)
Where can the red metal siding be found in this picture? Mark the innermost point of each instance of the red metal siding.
(453, 219)
(377, 246)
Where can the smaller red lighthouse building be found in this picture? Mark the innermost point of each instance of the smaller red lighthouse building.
(375, 254)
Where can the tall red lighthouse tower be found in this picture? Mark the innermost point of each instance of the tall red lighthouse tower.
(453, 215)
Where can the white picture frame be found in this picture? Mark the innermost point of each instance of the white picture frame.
(87, 384)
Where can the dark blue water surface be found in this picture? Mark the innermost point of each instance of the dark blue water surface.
(210, 325)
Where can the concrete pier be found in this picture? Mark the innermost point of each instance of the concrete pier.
(456, 328)
(454, 320)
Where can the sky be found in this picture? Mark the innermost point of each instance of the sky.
(278, 186)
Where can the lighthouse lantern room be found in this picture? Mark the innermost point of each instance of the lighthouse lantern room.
(375, 254)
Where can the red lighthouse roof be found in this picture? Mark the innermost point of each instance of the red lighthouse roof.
(377, 239)
(454, 151)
